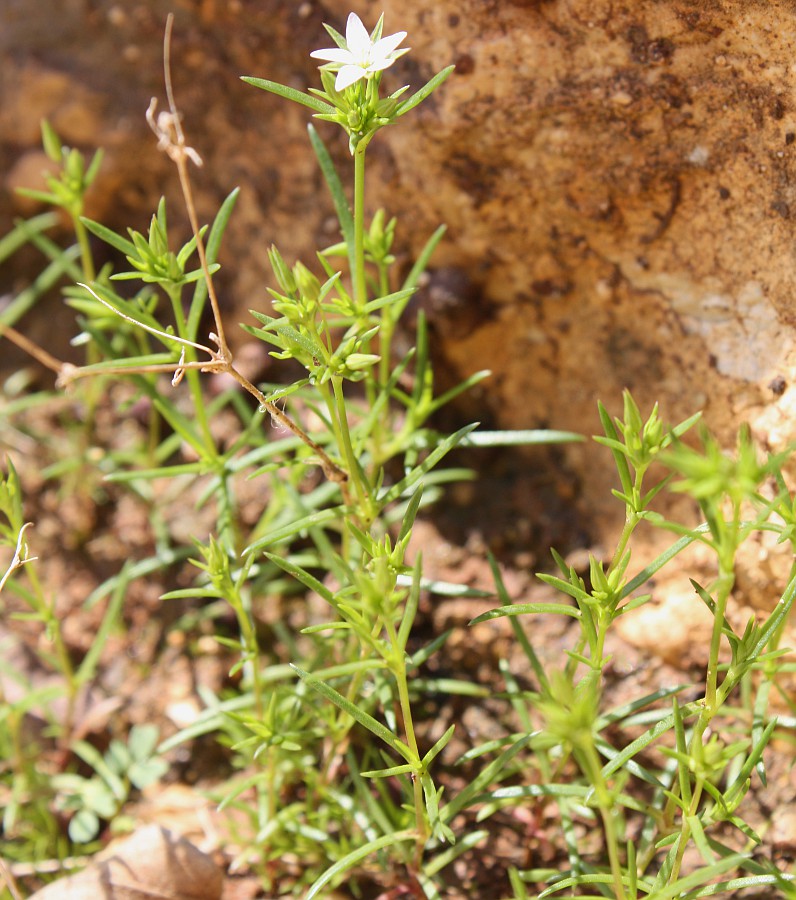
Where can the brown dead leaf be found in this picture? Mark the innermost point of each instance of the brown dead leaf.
(152, 864)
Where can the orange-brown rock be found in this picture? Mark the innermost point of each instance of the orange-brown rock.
(617, 177)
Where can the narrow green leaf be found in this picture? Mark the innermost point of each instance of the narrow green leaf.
(409, 516)
(289, 93)
(421, 95)
(412, 601)
(519, 633)
(23, 232)
(619, 457)
(644, 740)
(522, 438)
(212, 250)
(181, 424)
(41, 196)
(773, 622)
(94, 166)
(110, 619)
(93, 758)
(698, 879)
(51, 142)
(322, 517)
(403, 769)
(309, 581)
(579, 791)
(428, 463)
(659, 562)
(457, 389)
(194, 468)
(306, 343)
(138, 569)
(359, 715)
(110, 237)
(576, 881)
(350, 860)
(521, 609)
(411, 280)
(44, 281)
(131, 363)
(438, 747)
(335, 186)
(488, 775)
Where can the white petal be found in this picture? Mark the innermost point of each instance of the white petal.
(356, 36)
(380, 64)
(334, 54)
(386, 45)
(347, 76)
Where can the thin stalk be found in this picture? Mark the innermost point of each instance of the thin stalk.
(360, 289)
(382, 429)
(272, 794)
(685, 829)
(227, 512)
(386, 330)
(631, 521)
(179, 152)
(33, 349)
(86, 258)
(252, 652)
(360, 490)
(7, 877)
(336, 745)
(93, 392)
(49, 617)
(397, 661)
(409, 730)
(191, 374)
(724, 585)
(590, 763)
(171, 139)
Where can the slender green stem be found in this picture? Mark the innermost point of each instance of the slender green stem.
(386, 330)
(241, 606)
(338, 733)
(589, 761)
(421, 823)
(685, 828)
(724, 586)
(47, 614)
(358, 275)
(192, 376)
(354, 472)
(631, 522)
(86, 258)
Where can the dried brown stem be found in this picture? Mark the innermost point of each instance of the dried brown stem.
(171, 139)
(32, 349)
(7, 878)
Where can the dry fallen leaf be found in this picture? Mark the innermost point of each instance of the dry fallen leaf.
(152, 864)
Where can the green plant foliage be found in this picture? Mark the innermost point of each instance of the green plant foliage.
(325, 723)
(103, 794)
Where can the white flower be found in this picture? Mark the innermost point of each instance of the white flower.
(362, 56)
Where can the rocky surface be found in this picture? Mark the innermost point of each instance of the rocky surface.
(617, 179)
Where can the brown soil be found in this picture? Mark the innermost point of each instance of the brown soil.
(522, 503)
